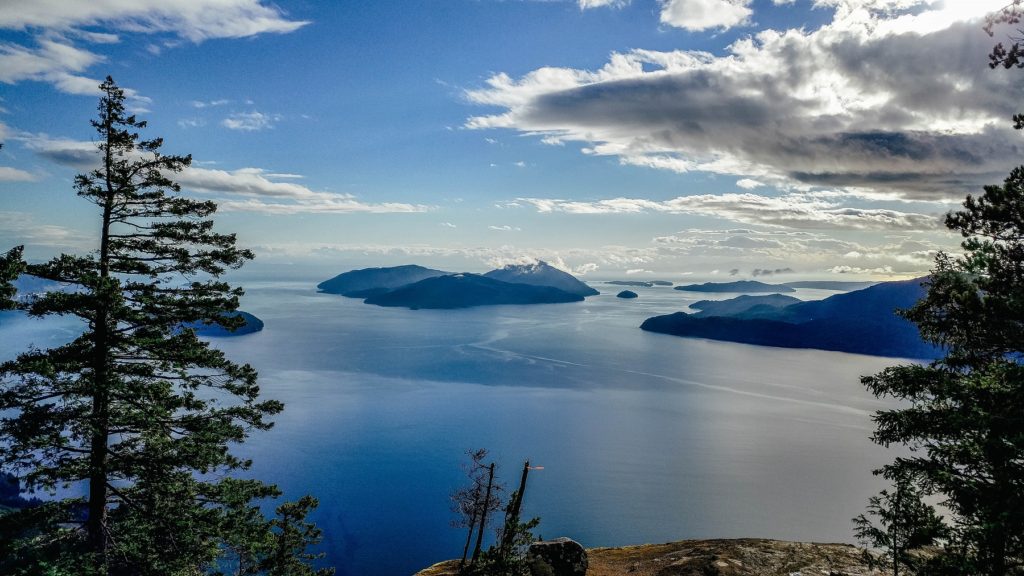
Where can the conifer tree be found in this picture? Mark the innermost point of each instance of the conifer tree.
(964, 413)
(137, 411)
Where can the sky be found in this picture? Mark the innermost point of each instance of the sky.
(645, 139)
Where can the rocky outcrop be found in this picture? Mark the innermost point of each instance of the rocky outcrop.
(743, 557)
(558, 557)
(626, 294)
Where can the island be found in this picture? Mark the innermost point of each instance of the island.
(639, 283)
(541, 273)
(744, 286)
(837, 285)
(626, 294)
(371, 281)
(863, 322)
(468, 290)
(252, 324)
(744, 306)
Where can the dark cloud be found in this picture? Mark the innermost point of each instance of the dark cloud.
(770, 272)
(854, 104)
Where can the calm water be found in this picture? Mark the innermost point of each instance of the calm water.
(644, 437)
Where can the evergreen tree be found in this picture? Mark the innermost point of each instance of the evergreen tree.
(964, 413)
(905, 525)
(137, 411)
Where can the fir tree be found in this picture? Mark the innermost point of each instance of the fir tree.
(964, 418)
(137, 411)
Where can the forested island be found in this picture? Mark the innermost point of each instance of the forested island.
(416, 287)
(863, 321)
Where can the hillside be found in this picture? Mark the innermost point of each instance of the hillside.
(541, 274)
(467, 290)
(862, 322)
(369, 281)
(742, 286)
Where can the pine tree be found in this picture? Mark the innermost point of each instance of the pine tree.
(964, 418)
(137, 411)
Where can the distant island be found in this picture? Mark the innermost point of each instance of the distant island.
(626, 294)
(467, 290)
(415, 287)
(862, 322)
(252, 324)
(639, 283)
(830, 285)
(744, 286)
(744, 306)
(541, 274)
(371, 281)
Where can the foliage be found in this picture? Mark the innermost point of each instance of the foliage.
(137, 410)
(905, 525)
(508, 561)
(964, 421)
(475, 503)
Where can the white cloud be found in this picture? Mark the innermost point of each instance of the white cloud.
(587, 4)
(194, 20)
(448, 225)
(56, 60)
(749, 183)
(192, 122)
(210, 103)
(886, 270)
(699, 15)
(505, 228)
(250, 121)
(247, 189)
(284, 197)
(8, 174)
(857, 104)
(792, 211)
(21, 228)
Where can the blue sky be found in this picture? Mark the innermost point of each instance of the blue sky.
(642, 138)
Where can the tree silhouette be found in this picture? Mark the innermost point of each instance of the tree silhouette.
(137, 411)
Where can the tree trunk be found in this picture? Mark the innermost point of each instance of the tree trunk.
(512, 520)
(483, 514)
(97, 521)
(469, 537)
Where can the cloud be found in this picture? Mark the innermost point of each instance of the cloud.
(860, 104)
(448, 225)
(749, 183)
(21, 228)
(587, 4)
(505, 228)
(210, 103)
(271, 197)
(699, 15)
(792, 211)
(779, 251)
(8, 174)
(57, 60)
(247, 189)
(250, 121)
(887, 270)
(769, 272)
(194, 20)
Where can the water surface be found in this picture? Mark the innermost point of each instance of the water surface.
(643, 437)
